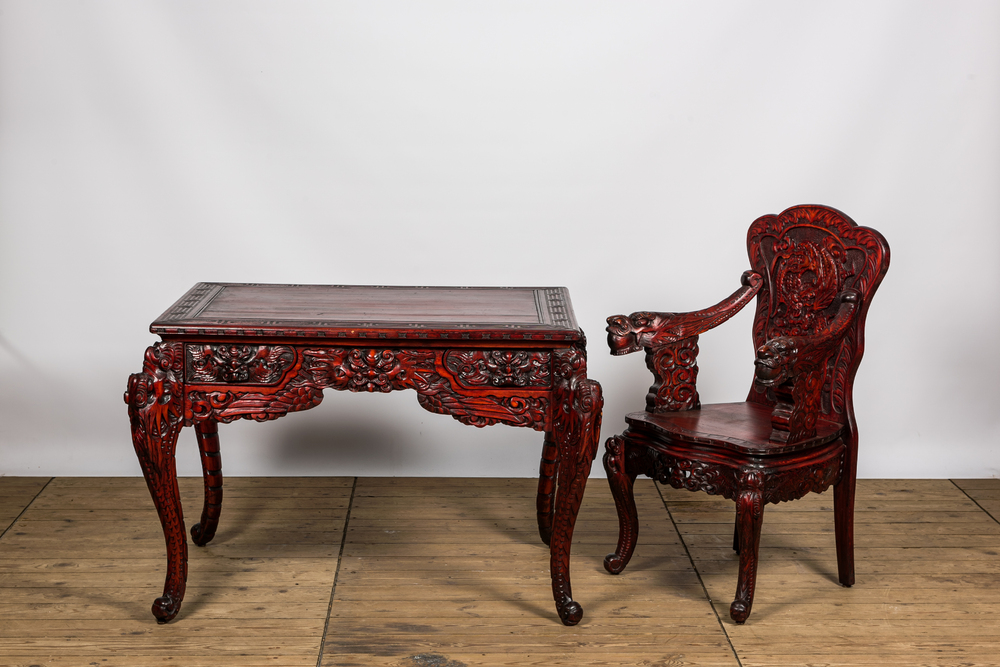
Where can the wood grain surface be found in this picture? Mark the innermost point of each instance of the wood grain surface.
(450, 573)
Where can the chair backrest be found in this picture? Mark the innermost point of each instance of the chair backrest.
(808, 255)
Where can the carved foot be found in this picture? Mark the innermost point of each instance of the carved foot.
(570, 611)
(198, 537)
(739, 610)
(614, 563)
(165, 608)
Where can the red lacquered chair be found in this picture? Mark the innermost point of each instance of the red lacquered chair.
(814, 272)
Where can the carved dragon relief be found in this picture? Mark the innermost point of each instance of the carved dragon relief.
(807, 276)
(821, 252)
(500, 368)
(228, 363)
(376, 370)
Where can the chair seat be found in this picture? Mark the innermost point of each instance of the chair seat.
(740, 427)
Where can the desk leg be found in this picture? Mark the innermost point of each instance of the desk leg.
(211, 469)
(154, 399)
(577, 429)
(547, 487)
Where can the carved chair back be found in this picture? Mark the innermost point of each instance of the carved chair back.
(809, 257)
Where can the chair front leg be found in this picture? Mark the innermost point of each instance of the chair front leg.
(749, 517)
(622, 482)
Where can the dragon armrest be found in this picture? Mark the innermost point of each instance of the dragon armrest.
(649, 330)
(671, 344)
(793, 369)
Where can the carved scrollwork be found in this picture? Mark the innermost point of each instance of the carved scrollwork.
(500, 368)
(815, 478)
(675, 370)
(436, 394)
(226, 406)
(370, 370)
(680, 473)
(730, 481)
(233, 364)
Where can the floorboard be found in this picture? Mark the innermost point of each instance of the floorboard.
(439, 572)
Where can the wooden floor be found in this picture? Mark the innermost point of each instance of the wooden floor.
(451, 573)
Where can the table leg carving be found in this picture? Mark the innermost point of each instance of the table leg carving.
(576, 426)
(211, 468)
(547, 486)
(154, 399)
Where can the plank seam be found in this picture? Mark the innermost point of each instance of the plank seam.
(336, 575)
(701, 581)
(30, 503)
(975, 502)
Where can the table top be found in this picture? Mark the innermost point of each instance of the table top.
(240, 310)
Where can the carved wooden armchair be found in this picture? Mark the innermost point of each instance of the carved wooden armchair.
(814, 274)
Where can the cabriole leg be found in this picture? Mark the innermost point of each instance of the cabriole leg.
(577, 429)
(546, 487)
(750, 516)
(154, 399)
(622, 484)
(211, 468)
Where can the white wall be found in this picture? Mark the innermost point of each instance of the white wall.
(620, 149)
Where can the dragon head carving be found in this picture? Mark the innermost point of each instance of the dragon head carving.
(775, 360)
(638, 330)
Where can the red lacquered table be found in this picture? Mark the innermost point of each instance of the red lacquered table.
(484, 355)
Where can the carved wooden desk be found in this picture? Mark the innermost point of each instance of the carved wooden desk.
(482, 355)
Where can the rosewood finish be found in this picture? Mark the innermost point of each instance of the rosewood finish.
(814, 273)
(482, 355)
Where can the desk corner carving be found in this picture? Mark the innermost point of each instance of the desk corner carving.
(155, 399)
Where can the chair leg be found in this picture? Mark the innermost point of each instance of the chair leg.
(622, 490)
(843, 518)
(736, 535)
(749, 517)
